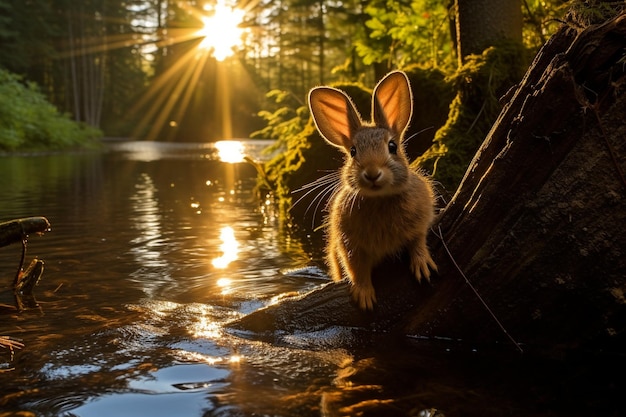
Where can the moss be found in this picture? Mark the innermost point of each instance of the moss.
(432, 95)
(585, 13)
(480, 82)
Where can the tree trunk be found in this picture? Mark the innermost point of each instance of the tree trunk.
(537, 222)
(536, 226)
(484, 23)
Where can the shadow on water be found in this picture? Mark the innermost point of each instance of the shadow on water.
(156, 247)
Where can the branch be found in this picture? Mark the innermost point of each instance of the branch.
(15, 231)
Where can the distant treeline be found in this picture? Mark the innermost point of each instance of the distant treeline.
(134, 68)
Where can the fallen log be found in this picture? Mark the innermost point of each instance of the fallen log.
(15, 231)
(24, 281)
(536, 227)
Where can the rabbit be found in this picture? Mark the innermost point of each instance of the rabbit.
(380, 206)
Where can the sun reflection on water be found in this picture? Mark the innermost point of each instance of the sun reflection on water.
(230, 151)
(225, 284)
(229, 247)
(205, 327)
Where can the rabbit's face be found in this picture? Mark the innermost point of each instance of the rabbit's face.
(377, 164)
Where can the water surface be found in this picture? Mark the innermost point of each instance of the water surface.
(155, 247)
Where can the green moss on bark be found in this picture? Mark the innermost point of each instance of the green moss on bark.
(480, 83)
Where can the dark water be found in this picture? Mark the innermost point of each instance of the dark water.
(154, 248)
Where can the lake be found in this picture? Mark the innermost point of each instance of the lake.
(155, 247)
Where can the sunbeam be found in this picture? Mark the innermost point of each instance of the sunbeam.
(174, 87)
(190, 71)
(165, 104)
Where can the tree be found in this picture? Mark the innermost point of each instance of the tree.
(491, 60)
(77, 54)
(484, 23)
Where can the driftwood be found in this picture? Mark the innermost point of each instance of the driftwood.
(536, 226)
(25, 280)
(15, 231)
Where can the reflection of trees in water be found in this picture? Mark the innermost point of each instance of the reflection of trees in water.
(147, 248)
(188, 217)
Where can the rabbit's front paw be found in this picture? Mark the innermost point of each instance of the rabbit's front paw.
(420, 264)
(364, 296)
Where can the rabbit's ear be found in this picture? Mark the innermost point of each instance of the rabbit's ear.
(392, 102)
(335, 115)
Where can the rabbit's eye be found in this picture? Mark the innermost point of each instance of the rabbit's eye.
(353, 151)
(393, 147)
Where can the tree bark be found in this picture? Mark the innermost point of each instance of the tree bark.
(484, 23)
(536, 226)
(537, 221)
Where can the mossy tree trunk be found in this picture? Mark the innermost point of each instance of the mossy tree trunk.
(492, 59)
(536, 226)
(537, 222)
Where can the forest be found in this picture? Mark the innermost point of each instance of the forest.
(517, 122)
(150, 69)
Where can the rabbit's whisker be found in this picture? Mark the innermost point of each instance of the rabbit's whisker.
(324, 181)
(322, 187)
(319, 198)
(418, 133)
(353, 196)
(332, 189)
(330, 174)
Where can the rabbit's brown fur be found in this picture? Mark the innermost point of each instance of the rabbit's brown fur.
(381, 206)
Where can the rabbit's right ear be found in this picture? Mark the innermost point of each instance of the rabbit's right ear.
(392, 102)
(335, 116)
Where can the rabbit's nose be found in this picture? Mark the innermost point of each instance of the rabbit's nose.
(372, 175)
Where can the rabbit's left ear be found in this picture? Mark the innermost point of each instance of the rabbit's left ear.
(392, 102)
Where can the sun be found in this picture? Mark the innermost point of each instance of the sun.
(221, 32)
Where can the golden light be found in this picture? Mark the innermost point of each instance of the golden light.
(214, 31)
(231, 151)
(236, 359)
(221, 31)
(225, 284)
(205, 327)
(229, 247)
(165, 104)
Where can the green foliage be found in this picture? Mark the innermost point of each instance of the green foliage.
(407, 33)
(541, 19)
(415, 35)
(29, 121)
(480, 83)
(286, 125)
